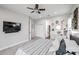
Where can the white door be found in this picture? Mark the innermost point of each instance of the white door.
(40, 30)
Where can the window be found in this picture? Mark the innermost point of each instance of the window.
(75, 19)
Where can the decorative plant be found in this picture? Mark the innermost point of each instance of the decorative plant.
(75, 19)
(74, 22)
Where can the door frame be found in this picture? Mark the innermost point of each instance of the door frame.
(29, 28)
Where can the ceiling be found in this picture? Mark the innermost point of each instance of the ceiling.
(51, 9)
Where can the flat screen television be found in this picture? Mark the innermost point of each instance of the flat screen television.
(11, 27)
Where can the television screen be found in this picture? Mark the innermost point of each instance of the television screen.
(11, 27)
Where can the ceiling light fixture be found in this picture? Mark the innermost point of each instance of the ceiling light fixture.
(55, 12)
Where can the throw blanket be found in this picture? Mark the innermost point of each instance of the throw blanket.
(62, 48)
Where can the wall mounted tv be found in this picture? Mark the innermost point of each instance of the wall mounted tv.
(11, 27)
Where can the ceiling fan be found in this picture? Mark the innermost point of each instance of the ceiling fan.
(36, 9)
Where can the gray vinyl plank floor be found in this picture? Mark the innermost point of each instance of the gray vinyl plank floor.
(12, 50)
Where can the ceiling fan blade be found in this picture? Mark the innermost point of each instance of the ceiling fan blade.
(32, 12)
(36, 6)
(30, 8)
(42, 9)
(39, 12)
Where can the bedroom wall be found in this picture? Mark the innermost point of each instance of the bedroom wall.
(11, 39)
(32, 28)
(62, 21)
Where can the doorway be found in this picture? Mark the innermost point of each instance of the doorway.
(40, 31)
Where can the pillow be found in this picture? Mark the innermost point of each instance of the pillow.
(71, 45)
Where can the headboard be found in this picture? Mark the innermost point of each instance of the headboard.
(72, 37)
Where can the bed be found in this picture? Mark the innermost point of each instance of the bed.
(46, 47)
(38, 47)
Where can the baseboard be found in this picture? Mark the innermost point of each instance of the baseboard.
(13, 45)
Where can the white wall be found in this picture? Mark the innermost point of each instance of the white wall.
(32, 28)
(52, 23)
(46, 22)
(11, 39)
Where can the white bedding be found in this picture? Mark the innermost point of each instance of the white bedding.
(71, 46)
(44, 47)
(39, 47)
